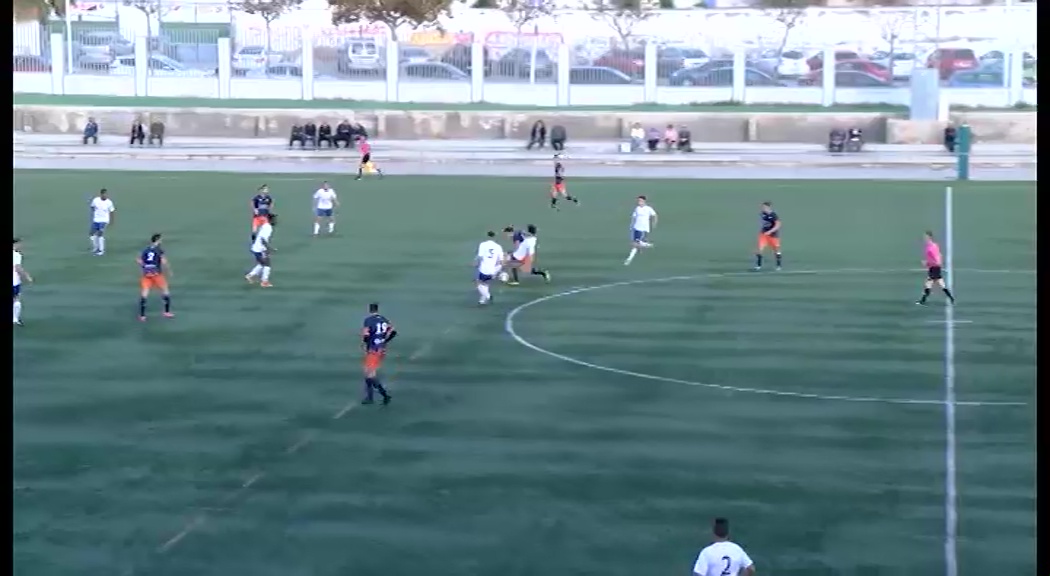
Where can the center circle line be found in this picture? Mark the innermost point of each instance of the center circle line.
(508, 326)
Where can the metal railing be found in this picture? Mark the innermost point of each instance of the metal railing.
(290, 63)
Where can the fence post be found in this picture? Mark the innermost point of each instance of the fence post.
(650, 73)
(58, 64)
(393, 69)
(141, 65)
(962, 148)
(477, 72)
(306, 51)
(225, 56)
(739, 74)
(564, 65)
(827, 76)
(1015, 77)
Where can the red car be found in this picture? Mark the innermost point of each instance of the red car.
(630, 62)
(816, 62)
(948, 61)
(866, 66)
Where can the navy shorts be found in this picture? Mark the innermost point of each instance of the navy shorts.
(99, 227)
(638, 235)
(484, 278)
(324, 212)
(18, 290)
(261, 258)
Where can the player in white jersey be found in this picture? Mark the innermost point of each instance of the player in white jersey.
(722, 557)
(489, 261)
(523, 257)
(102, 210)
(325, 203)
(643, 220)
(261, 250)
(20, 276)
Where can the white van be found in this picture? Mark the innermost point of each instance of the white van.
(362, 55)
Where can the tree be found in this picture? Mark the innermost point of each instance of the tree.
(39, 9)
(522, 12)
(892, 26)
(788, 14)
(149, 8)
(622, 16)
(268, 10)
(393, 13)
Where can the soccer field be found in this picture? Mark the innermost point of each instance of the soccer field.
(594, 425)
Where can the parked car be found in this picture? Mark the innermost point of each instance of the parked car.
(285, 71)
(865, 66)
(518, 62)
(159, 65)
(433, 71)
(460, 56)
(697, 76)
(816, 62)
(792, 63)
(948, 61)
(361, 55)
(597, 75)
(253, 58)
(852, 79)
(632, 62)
(413, 55)
(1000, 56)
(900, 64)
(990, 76)
(29, 63)
(100, 47)
(686, 57)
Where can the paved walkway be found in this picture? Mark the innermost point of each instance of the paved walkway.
(41, 146)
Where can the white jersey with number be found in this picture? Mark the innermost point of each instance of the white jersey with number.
(262, 238)
(721, 559)
(325, 198)
(641, 218)
(101, 209)
(18, 262)
(526, 249)
(490, 258)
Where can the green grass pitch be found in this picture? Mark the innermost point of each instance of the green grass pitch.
(134, 442)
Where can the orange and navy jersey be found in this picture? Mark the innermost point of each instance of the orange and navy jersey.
(152, 261)
(559, 173)
(769, 221)
(375, 332)
(262, 204)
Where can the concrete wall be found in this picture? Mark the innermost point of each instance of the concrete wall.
(1000, 127)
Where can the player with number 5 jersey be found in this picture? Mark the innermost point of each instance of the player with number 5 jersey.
(489, 261)
(325, 203)
(155, 270)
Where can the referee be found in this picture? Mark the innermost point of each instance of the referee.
(722, 557)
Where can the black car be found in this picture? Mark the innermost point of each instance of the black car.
(858, 79)
(720, 77)
(518, 63)
(461, 57)
(597, 75)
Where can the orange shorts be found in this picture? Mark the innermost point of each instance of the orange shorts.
(557, 189)
(373, 360)
(525, 263)
(157, 281)
(766, 241)
(258, 221)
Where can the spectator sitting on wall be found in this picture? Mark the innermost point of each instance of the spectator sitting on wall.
(837, 140)
(359, 133)
(637, 137)
(324, 134)
(558, 137)
(310, 132)
(652, 138)
(91, 131)
(156, 132)
(344, 133)
(670, 138)
(950, 135)
(685, 140)
(297, 136)
(538, 135)
(138, 133)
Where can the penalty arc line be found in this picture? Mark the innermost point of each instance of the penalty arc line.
(512, 332)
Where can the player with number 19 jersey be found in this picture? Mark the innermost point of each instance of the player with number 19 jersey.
(375, 337)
